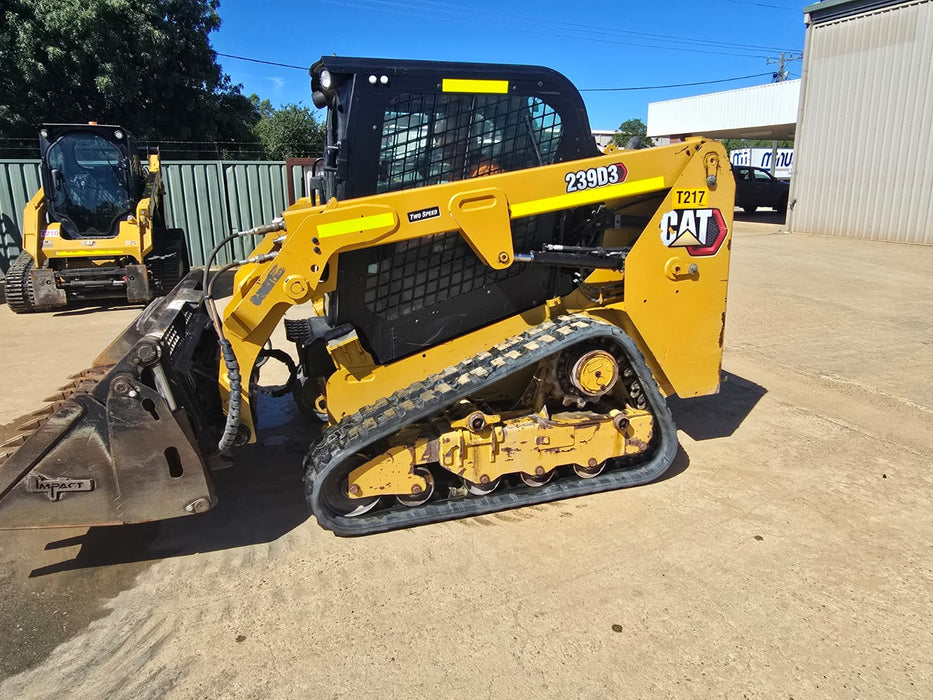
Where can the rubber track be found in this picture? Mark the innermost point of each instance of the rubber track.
(18, 287)
(425, 398)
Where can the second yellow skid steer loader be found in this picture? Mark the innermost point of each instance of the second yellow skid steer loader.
(96, 228)
(496, 312)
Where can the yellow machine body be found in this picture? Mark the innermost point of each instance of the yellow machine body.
(674, 299)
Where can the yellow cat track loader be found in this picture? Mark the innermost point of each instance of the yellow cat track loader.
(495, 313)
(96, 228)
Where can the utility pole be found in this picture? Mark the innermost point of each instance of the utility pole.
(779, 76)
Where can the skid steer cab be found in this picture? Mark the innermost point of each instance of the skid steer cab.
(96, 227)
(494, 312)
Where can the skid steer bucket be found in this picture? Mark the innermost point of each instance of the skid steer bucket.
(117, 445)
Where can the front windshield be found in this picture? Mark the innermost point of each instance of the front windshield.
(89, 187)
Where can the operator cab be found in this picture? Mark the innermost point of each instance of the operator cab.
(92, 177)
(398, 125)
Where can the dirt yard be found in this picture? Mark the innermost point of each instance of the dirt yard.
(787, 554)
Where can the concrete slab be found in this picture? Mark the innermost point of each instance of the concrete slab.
(786, 555)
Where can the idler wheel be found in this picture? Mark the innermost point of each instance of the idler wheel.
(335, 492)
(482, 489)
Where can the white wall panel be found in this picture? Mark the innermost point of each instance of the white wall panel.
(864, 149)
(763, 107)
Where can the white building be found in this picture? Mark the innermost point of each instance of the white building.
(863, 164)
(760, 112)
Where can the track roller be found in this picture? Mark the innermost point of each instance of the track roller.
(423, 496)
(536, 481)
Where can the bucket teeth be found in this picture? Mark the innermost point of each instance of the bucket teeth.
(83, 382)
(31, 424)
(14, 441)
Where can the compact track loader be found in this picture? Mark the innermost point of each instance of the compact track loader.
(496, 312)
(96, 227)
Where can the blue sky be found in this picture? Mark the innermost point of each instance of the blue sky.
(598, 45)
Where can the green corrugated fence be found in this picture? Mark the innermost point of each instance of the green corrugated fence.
(207, 199)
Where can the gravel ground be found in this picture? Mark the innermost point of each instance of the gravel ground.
(787, 554)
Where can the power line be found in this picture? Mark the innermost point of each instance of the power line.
(662, 87)
(615, 89)
(257, 60)
(763, 4)
(587, 29)
(544, 27)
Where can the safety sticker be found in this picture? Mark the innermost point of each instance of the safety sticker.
(579, 180)
(424, 214)
(700, 231)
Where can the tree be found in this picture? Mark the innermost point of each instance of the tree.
(288, 132)
(629, 129)
(146, 65)
(735, 144)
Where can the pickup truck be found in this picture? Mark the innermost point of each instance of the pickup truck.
(756, 187)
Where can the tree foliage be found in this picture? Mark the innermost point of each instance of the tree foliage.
(288, 132)
(736, 144)
(143, 64)
(630, 128)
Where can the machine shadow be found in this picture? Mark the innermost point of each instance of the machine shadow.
(260, 496)
(719, 415)
(680, 464)
(78, 308)
(260, 499)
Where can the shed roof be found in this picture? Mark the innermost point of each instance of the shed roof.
(760, 112)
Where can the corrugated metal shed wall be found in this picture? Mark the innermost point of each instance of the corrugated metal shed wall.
(864, 143)
(211, 200)
(19, 181)
(207, 199)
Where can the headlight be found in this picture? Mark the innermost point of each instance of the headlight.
(326, 80)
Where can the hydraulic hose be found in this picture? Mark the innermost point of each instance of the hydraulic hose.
(232, 423)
